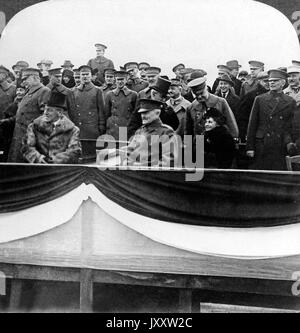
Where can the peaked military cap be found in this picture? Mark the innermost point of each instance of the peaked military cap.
(277, 74)
(30, 71)
(178, 66)
(100, 46)
(223, 68)
(131, 65)
(55, 71)
(149, 105)
(293, 69)
(85, 68)
(121, 74)
(256, 64)
(109, 71)
(143, 65)
(243, 73)
(198, 83)
(4, 70)
(176, 82)
(153, 70)
(295, 63)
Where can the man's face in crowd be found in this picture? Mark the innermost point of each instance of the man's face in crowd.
(276, 85)
(200, 93)
(85, 77)
(66, 79)
(30, 81)
(51, 113)
(294, 80)
(254, 71)
(56, 79)
(174, 92)
(20, 92)
(109, 79)
(77, 78)
(3, 77)
(265, 83)
(121, 81)
(67, 67)
(220, 73)
(100, 52)
(17, 71)
(234, 72)
(178, 72)
(156, 96)
(133, 73)
(210, 124)
(151, 78)
(224, 86)
(149, 116)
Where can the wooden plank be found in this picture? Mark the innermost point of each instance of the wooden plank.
(15, 295)
(86, 291)
(228, 308)
(185, 301)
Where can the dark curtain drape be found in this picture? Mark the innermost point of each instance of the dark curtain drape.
(221, 198)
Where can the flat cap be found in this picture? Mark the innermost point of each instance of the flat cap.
(179, 66)
(232, 64)
(293, 69)
(149, 105)
(67, 63)
(277, 74)
(55, 71)
(256, 64)
(153, 70)
(243, 73)
(100, 46)
(85, 68)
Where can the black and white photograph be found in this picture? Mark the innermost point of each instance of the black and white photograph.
(149, 159)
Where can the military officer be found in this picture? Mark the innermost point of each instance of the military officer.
(177, 70)
(77, 77)
(194, 124)
(17, 68)
(109, 84)
(222, 69)
(119, 104)
(154, 143)
(56, 86)
(30, 108)
(269, 135)
(100, 62)
(134, 82)
(89, 113)
(45, 67)
(250, 84)
(152, 74)
(142, 68)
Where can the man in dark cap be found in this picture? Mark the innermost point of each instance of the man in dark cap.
(247, 101)
(95, 80)
(222, 69)
(109, 84)
(30, 108)
(52, 138)
(154, 143)
(226, 90)
(177, 70)
(56, 86)
(204, 100)
(234, 68)
(142, 68)
(134, 82)
(269, 135)
(243, 76)
(178, 103)
(89, 113)
(17, 68)
(100, 62)
(152, 74)
(255, 68)
(119, 105)
(68, 79)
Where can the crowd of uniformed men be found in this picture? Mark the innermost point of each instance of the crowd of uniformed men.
(55, 115)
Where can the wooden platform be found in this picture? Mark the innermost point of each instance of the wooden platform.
(95, 248)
